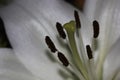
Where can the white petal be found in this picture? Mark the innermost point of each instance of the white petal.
(90, 8)
(109, 22)
(12, 75)
(112, 62)
(11, 68)
(27, 32)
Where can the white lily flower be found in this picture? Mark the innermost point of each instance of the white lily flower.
(28, 22)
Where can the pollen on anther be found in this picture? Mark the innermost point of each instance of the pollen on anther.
(89, 52)
(95, 29)
(77, 19)
(60, 30)
(63, 59)
(50, 44)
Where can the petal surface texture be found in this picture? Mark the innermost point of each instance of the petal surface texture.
(107, 14)
(112, 63)
(11, 68)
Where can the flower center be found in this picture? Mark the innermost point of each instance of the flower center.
(83, 67)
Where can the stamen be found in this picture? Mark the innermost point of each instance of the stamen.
(89, 52)
(91, 63)
(78, 31)
(77, 19)
(60, 30)
(95, 44)
(63, 59)
(96, 29)
(50, 44)
(4, 42)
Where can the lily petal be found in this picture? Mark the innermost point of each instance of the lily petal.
(90, 8)
(112, 61)
(11, 68)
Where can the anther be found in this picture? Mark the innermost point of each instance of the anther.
(89, 52)
(4, 42)
(60, 30)
(96, 29)
(50, 44)
(63, 59)
(77, 19)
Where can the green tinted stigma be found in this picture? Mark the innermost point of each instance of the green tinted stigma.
(70, 27)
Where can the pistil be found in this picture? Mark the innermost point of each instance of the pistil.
(70, 29)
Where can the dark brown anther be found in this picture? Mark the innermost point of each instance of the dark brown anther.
(60, 30)
(4, 42)
(50, 44)
(95, 29)
(89, 52)
(63, 59)
(77, 19)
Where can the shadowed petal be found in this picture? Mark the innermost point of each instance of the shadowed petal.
(11, 68)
